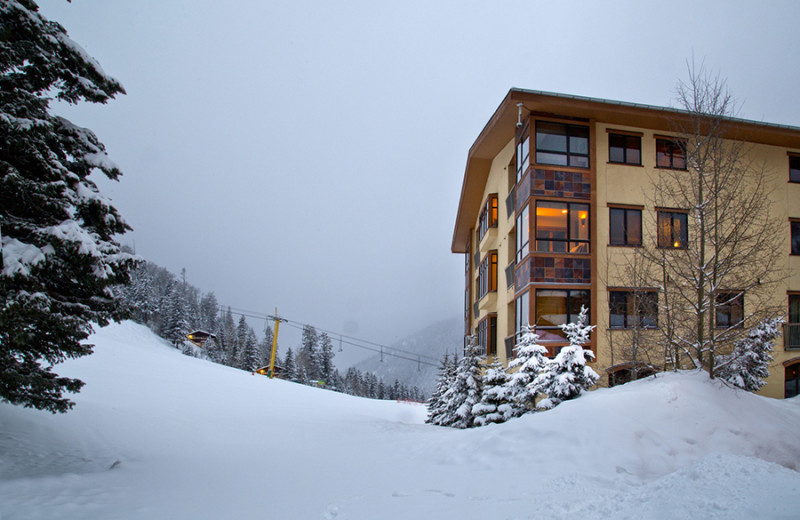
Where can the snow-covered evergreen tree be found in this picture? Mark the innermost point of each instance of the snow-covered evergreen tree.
(176, 323)
(240, 338)
(436, 401)
(265, 352)
(748, 365)
(289, 366)
(249, 355)
(325, 357)
(58, 253)
(465, 390)
(308, 357)
(531, 358)
(496, 405)
(567, 376)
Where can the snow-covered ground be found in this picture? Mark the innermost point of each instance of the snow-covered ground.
(156, 434)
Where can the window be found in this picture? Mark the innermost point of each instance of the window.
(555, 308)
(730, 310)
(522, 317)
(625, 227)
(792, 381)
(792, 327)
(562, 145)
(625, 149)
(633, 309)
(488, 217)
(794, 168)
(523, 235)
(670, 154)
(487, 274)
(562, 227)
(523, 154)
(487, 336)
(795, 230)
(672, 229)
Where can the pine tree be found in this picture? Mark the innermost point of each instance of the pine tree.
(465, 391)
(567, 376)
(289, 366)
(495, 405)
(249, 352)
(209, 310)
(308, 356)
(265, 351)
(240, 339)
(227, 337)
(531, 359)
(325, 357)
(748, 365)
(436, 401)
(176, 319)
(58, 253)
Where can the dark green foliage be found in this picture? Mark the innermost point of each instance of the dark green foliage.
(59, 256)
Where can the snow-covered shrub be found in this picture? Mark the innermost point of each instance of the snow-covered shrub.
(748, 365)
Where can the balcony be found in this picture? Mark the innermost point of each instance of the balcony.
(791, 336)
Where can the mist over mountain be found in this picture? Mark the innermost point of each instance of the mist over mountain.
(426, 347)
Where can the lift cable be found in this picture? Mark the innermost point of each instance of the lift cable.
(420, 359)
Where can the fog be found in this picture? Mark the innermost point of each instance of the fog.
(308, 155)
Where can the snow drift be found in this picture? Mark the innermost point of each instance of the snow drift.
(156, 434)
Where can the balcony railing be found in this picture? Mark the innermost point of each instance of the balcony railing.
(510, 204)
(510, 274)
(791, 336)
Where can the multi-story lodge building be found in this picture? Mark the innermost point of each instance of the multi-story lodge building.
(558, 193)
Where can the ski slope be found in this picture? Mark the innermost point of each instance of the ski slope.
(156, 434)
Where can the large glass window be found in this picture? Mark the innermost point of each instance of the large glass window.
(523, 153)
(730, 310)
(794, 168)
(670, 154)
(521, 312)
(672, 229)
(487, 274)
(488, 216)
(556, 307)
(792, 336)
(523, 234)
(625, 149)
(795, 231)
(562, 145)
(631, 309)
(562, 227)
(625, 227)
(487, 336)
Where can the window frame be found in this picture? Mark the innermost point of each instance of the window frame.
(569, 317)
(571, 131)
(794, 236)
(672, 144)
(684, 238)
(488, 217)
(626, 136)
(522, 154)
(731, 300)
(635, 309)
(523, 234)
(794, 167)
(486, 331)
(627, 242)
(568, 239)
(487, 274)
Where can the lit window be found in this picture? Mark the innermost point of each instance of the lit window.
(730, 310)
(562, 145)
(670, 154)
(488, 216)
(487, 274)
(555, 308)
(672, 230)
(562, 227)
(631, 309)
(625, 149)
(625, 227)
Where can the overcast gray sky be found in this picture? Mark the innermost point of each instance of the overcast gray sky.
(308, 155)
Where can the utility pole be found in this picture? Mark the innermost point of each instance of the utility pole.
(278, 321)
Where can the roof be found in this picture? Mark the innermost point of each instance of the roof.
(502, 125)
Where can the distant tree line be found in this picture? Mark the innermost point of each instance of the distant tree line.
(172, 308)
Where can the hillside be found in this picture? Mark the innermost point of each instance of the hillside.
(156, 434)
(431, 342)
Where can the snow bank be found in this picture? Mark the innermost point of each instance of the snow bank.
(156, 434)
